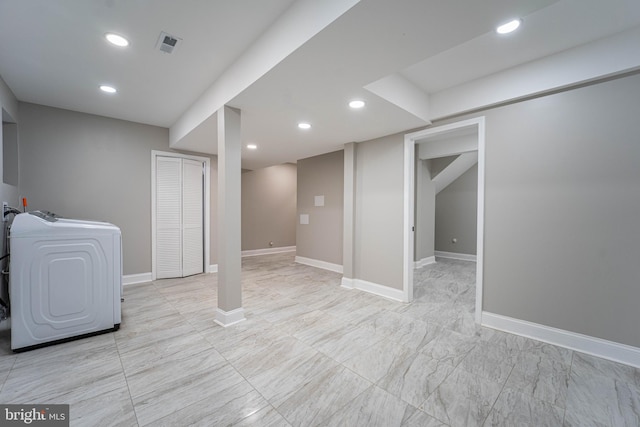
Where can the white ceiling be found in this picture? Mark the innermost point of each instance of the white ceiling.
(560, 26)
(52, 52)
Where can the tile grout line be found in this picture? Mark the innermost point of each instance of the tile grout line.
(250, 383)
(199, 332)
(348, 402)
(15, 358)
(499, 394)
(564, 414)
(307, 382)
(231, 364)
(445, 378)
(157, 291)
(126, 380)
(325, 313)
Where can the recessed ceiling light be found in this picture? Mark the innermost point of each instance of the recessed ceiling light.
(356, 104)
(304, 125)
(108, 89)
(509, 27)
(252, 146)
(116, 39)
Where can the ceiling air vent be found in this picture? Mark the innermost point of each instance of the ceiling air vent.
(167, 43)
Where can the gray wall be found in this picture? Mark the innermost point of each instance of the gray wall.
(86, 166)
(321, 239)
(425, 210)
(269, 207)
(379, 211)
(9, 137)
(562, 213)
(456, 213)
(439, 164)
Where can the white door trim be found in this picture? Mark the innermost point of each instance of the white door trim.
(409, 203)
(206, 201)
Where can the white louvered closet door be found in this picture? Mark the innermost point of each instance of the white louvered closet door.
(179, 217)
(192, 221)
(168, 217)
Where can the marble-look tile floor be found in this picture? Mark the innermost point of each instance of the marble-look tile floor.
(312, 353)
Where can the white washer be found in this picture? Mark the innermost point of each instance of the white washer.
(65, 279)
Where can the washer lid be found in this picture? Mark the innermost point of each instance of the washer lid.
(39, 224)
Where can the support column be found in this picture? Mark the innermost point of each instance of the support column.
(229, 309)
(348, 232)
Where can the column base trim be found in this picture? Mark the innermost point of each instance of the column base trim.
(346, 283)
(228, 318)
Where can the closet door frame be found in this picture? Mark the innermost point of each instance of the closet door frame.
(206, 208)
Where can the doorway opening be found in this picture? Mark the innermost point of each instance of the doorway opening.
(436, 142)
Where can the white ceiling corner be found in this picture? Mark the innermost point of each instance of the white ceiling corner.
(401, 92)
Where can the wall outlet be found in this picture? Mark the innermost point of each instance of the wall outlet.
(5, 205)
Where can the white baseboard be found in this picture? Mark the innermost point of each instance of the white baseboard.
(453, 255)
(346, 283)
(583, 343)
(380, 290)
(319, 264)
(228, 318)
(132, 279)
(424, 262)
(267, 251)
